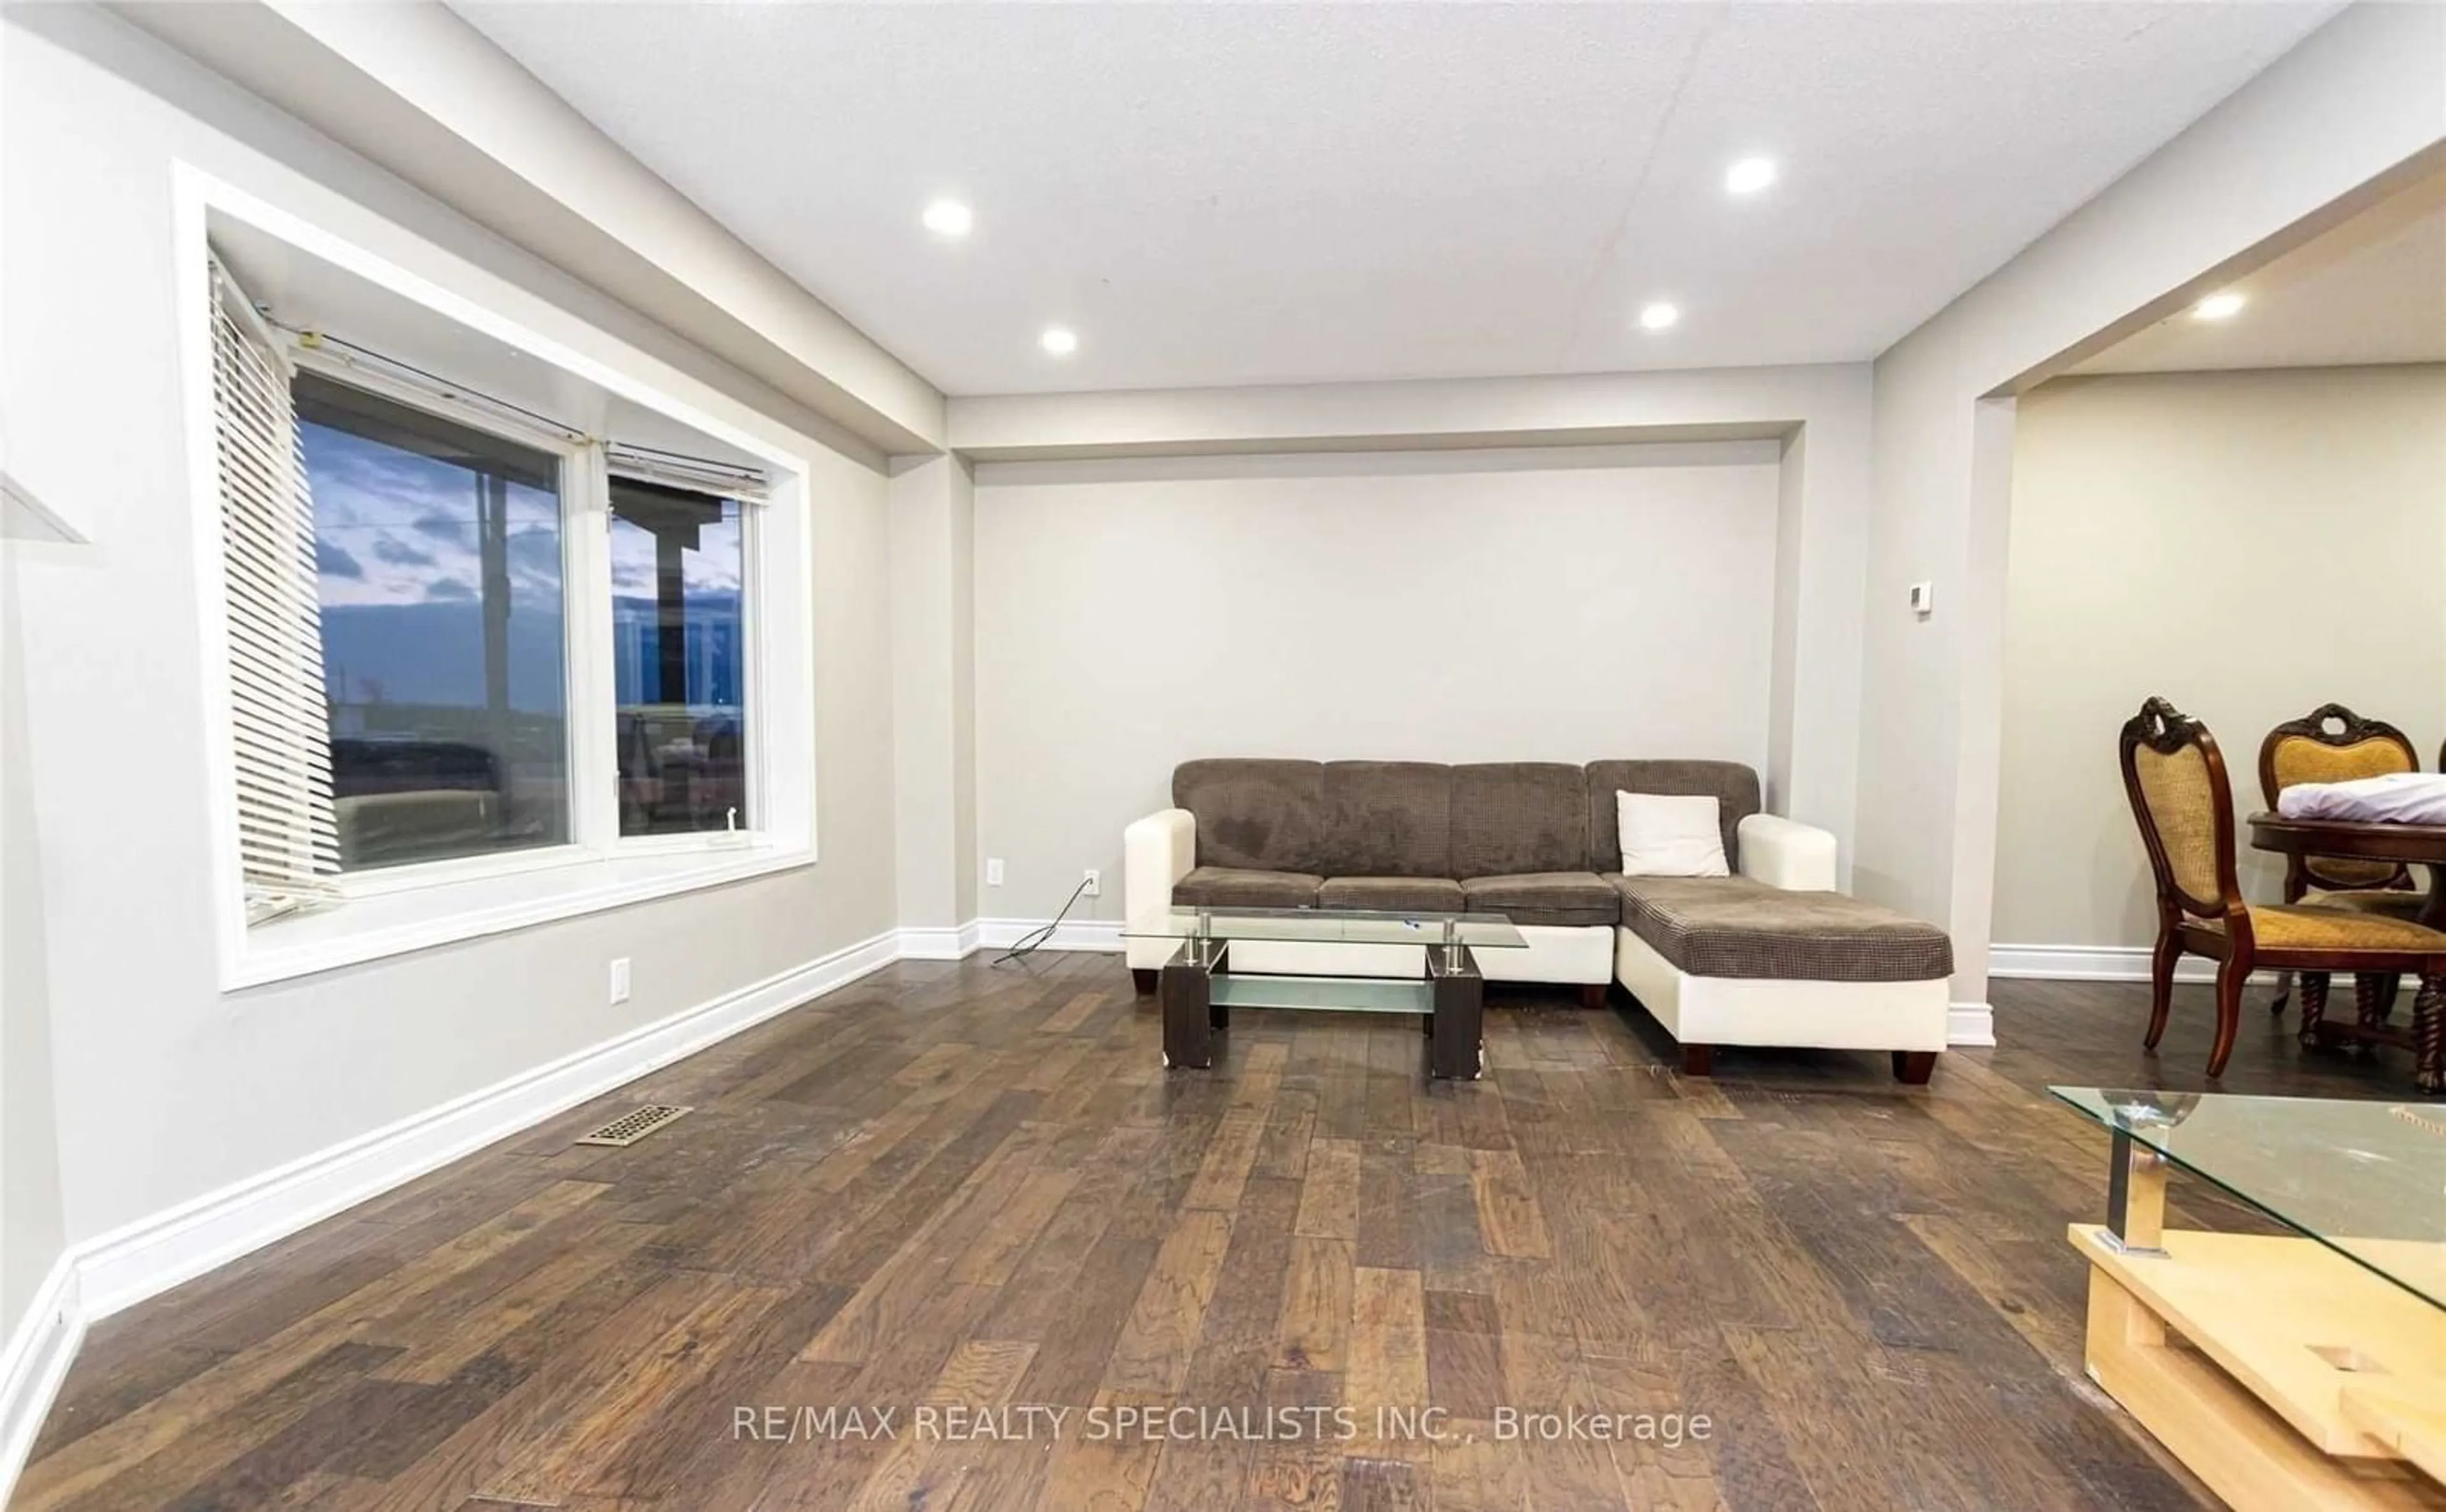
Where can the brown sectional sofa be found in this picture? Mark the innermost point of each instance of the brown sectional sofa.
(1712, 957)
(1535, 840)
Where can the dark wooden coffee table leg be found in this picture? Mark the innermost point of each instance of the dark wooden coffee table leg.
(1190, 1015)
(1458, 1028)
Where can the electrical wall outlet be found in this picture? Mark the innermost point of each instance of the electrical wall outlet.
(993, 872)
(620, 978)
(1095, 883)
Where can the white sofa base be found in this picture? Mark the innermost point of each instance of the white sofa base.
(1752, 1011)
(1568, 952)
(1300, 958)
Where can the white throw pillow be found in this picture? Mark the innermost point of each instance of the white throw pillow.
(1669, 836)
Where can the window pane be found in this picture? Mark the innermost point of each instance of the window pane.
(678, 660)
(439, 550)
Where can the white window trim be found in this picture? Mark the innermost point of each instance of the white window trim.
(395, 923)
(399, 909)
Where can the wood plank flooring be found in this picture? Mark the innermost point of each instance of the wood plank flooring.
(973, 1188)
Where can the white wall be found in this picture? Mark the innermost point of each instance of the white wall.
(1559, 605)
(32, 1225)
(165, 1089)
(2348, 115)
(2251, 545)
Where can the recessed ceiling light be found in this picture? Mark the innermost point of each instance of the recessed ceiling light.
(948, 217)
(1059, 340)
(2218, 306)
(1658, 316)
(1749, 175)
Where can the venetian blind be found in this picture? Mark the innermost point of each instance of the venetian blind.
(675, 470)
(289, 847)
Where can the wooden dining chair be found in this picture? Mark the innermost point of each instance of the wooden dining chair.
(2331, 744)
(2176, 779)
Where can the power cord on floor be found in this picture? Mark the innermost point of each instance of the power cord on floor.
(1034, 940)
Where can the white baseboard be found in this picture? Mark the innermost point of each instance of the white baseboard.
(154, 1253)
(1971, 1024)
(2094, 963)
(939, 942)
(1075, 934)
(33, 1363)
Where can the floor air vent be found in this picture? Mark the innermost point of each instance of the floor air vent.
(631, 1126)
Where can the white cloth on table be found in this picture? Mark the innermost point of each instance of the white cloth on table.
(2399, 797)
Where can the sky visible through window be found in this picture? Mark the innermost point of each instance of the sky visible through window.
(402, 582)
(402, 578)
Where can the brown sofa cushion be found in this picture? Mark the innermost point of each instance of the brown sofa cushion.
(1732, 927)
(1240, 887)
(1255, 814)
(1391, 894)
(1733, 786)
(1509, 818)
(1387, 819)
(1559, 898)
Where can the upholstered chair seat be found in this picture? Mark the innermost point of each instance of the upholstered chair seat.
(2303, 926)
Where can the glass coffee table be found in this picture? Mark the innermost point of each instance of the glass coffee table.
(2305, 1369)
(1199, 988)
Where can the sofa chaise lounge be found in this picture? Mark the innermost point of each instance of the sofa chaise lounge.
(1770, 955)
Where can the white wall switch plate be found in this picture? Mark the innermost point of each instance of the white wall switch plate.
(620, 978)
(1923, 599)
(1095, 883)
(993, 872)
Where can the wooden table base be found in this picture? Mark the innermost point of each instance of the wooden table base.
(2283, 1376)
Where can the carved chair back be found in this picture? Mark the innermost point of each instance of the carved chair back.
(2176, 779)
(2331, 744)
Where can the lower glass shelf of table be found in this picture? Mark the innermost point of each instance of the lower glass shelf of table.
(1420, 963)
(1350, 995)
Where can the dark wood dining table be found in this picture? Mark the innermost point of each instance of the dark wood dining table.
(2417, 845)
(2414, 845)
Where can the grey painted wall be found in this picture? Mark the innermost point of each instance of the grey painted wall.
(1559, 604)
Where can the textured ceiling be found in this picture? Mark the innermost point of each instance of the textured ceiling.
(2371, 290)
(1242, 193)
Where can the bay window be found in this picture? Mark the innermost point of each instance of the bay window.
(482, 664)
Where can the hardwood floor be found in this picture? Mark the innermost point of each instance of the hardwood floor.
(962, 1187)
